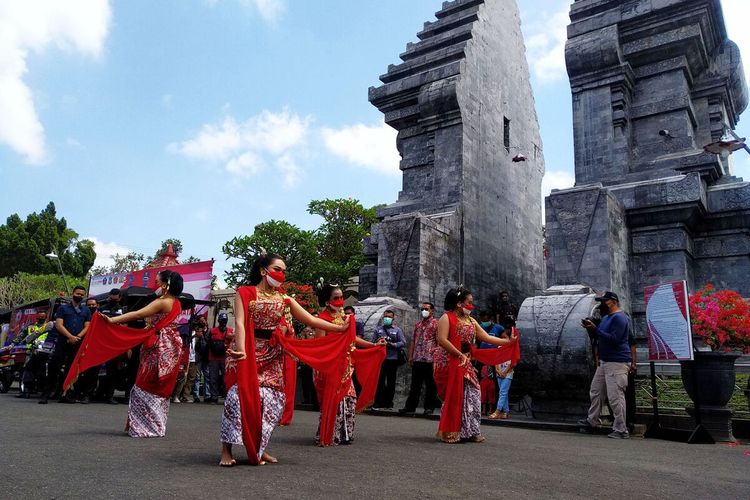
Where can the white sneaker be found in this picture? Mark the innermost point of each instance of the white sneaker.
(176, 400)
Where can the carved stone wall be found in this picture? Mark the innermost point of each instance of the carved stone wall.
(463, 106)
(652, 82)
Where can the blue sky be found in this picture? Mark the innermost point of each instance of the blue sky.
(198, 119)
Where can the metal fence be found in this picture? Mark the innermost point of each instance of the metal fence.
(671, 394)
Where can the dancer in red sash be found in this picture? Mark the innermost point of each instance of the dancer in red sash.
(332, 299)
(255, 376)
(455, 377)
(160, 355)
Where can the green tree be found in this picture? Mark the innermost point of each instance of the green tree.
(296, 246)
(24, 244)
(345, 224)
(23, 288)
(177, 247)
(333, 251)
(132, 261)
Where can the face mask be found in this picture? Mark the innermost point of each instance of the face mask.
(40, 321)
(468, 308)
(275, 278)
(603, 309)
(486, 324)
(387, 321)
(336, 303)
(425, 314)
(92, 309)
(77, 299)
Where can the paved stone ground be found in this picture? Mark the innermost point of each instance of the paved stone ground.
(77, 451)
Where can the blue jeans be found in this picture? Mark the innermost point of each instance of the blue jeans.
(504, 388)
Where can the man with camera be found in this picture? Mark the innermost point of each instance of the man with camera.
(611, 376)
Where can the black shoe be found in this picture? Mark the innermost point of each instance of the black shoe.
(42, 400)
(66, 400)
(84, 400)
(406, 411)
(23, 395)
(428, 412)
(112, 401)
(196, 400)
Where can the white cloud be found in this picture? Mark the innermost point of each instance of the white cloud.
(555, 179)
(290, 170)
(105, 251)
(736, 14)
(270, 11)
(167, 100)
(742, 167)
(545, 34)
(33, 26)
(245, 148)
(371, 147)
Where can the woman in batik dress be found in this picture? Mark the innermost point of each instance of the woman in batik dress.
(332, 299)
(148, 408)
(455, 377)
(260, 309)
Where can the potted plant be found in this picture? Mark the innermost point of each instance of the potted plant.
(720, 320)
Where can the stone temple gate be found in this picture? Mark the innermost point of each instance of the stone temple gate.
(653, 82)
(462, 103)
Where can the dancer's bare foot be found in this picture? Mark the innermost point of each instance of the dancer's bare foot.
(265, 457)
(226, 456)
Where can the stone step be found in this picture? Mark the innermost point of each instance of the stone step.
(425, 62)
(459, 18)
(437, 42)
(412, 83)
(450, 8)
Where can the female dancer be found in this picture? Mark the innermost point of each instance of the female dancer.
(455, 377)
(255, 376)
(160, 355)
(332, 299)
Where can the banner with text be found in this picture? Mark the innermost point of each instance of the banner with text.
(197, 277)
(668, 322)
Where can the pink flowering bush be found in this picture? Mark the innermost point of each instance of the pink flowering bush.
(721, 319)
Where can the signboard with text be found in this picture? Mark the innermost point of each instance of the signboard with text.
(197, 277)
(668, 322)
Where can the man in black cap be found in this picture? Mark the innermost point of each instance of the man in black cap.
(611, 376)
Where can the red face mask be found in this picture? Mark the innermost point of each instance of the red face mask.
(337, 302)
(469, 307)
(276, 278)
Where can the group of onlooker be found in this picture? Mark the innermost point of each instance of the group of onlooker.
(202, 361)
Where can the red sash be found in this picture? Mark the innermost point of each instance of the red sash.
(329, 355)
(290, 388)
(247, 382)
(450, 382)
(105, 341)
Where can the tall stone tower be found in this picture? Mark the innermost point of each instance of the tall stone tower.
(652, 83)
(462, 103)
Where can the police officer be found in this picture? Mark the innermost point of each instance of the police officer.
(36, 360)
(71, 323)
